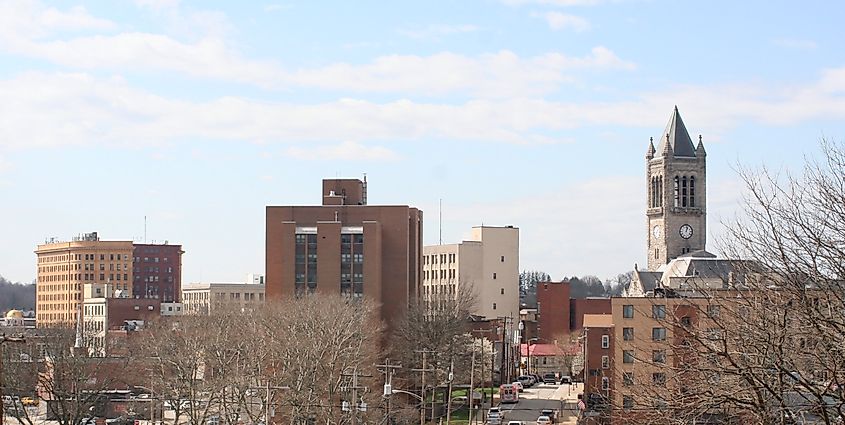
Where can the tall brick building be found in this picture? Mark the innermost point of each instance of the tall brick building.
(345, 246)
(157, 270)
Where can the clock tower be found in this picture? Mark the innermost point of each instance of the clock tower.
(676, 194)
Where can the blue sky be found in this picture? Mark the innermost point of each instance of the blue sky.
(534, 113)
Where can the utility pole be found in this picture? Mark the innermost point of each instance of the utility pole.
(388, 381)
(354, 406)
(471, 395)
(423, 370)
(3, 339)
(449, 400)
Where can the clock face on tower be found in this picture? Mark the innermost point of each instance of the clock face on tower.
(655, 231)
(685, 231)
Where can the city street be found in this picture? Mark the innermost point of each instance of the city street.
(543, 396)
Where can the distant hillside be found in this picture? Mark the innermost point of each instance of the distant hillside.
(19, 296)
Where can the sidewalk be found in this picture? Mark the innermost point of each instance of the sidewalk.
(569, 399)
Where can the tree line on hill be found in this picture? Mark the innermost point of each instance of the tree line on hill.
(20, 296)
(579, 287)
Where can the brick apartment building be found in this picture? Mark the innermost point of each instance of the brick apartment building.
(599, 349)
(345, 246)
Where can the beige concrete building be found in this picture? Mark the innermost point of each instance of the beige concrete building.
(64, 267)
(487, 264)
(204, 298)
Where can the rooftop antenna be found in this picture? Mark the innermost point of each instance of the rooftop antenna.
(441, 221)
(145, 229)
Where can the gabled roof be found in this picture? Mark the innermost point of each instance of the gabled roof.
(678, 137)
(647, 280)
(548, 350)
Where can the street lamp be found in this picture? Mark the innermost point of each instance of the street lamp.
(530, 341)
(389, 391)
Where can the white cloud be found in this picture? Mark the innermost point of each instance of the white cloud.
(344, 151)
(76, 109)
(29, 19)
(436, 31)
(562, 21)
(501, 74)
(209, 55)
(488, 75)
(791, 43)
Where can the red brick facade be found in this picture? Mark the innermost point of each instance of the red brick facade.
(386, 248)
(553, 309)
(157, 271)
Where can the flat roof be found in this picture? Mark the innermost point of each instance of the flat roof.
(598, 321)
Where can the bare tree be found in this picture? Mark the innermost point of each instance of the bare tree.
(294, 359)
(766, 343)
(72, 384)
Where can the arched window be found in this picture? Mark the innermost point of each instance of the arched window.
(651, 193)
(684, 191)
(677, 191)
(660, 191)
(692, 191)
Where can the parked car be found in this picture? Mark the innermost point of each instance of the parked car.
(544, 420)
(515, 423)
(550, 413)
(525, 380)
(549, 378)
(29, 401)
(519, 386)
(565, 379)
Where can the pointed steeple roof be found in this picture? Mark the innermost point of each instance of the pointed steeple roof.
(678, 138)
(650, 152)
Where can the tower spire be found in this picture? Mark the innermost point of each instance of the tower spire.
(649, 154)
(699, 150)
(667, 146)
(677, 137)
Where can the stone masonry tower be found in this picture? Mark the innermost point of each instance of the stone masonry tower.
(676, 205)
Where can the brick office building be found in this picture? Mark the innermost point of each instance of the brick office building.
(157, 271)
(65, 266)
(345, 246)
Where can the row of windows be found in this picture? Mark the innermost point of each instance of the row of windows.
(658, 311)
(657, 356)
(150, 259)
(439, 274)
(683, 188)
(439, 258)
(152, 270)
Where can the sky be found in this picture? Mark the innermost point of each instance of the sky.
(532, 113)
